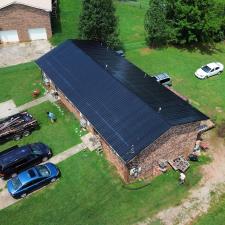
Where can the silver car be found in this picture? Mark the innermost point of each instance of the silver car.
(164, 79)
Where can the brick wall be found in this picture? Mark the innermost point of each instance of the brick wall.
(22, 18)
(179, 140)
(116, 161)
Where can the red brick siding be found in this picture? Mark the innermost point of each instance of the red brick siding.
(22, 18)
(74, 110)
(179, 140)
(116, 161)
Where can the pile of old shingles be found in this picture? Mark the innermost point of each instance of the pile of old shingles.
(180, 164)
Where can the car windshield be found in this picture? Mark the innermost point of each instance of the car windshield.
(16, 183)
(36, 150)
(43, 171)
(206, 69)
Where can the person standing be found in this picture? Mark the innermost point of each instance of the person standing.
(182, 178)
(51, 116)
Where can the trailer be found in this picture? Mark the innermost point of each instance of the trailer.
(17, 126)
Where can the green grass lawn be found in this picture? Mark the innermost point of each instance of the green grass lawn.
(59, 136)
(89, 192)
(67, 25)
(131, 30)
(131, 23)
(18, 83)
(207, 95)
(215, 215)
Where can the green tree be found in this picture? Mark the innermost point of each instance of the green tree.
(156, 26)
(194, 21)
(185, 22)
(98, 22)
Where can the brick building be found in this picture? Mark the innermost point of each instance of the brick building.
(25, 20)
(139, 121)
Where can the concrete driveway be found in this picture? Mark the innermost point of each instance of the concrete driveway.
(16, 53)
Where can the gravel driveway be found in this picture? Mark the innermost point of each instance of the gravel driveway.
(16, 53)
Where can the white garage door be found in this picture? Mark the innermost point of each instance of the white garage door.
(37, 34)
(9, 36)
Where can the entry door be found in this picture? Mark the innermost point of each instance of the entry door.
(37, 34)
(9, 36)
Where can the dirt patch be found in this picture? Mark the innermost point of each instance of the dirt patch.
(198, 202)
(145, 51)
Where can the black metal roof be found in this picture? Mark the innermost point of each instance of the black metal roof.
(129, 109)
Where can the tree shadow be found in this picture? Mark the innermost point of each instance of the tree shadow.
(203, 48)
(56, 18)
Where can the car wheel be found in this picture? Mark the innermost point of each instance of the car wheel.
(26, 133)
(14, 175)
(53, 180)
(44, 159)
(23, 195)
(17, 137)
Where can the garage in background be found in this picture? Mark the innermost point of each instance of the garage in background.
(25, 20)
(37, 34)
(9, 36)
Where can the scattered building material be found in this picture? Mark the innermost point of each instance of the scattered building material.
(204, 145)
(36, 93)
(17, 126)
(163, 165)
(205, 126)
(92, 142)
(193, 157)
(180, 164)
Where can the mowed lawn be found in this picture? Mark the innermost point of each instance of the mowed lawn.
(89, 192)
(130, 15)
(66, 25)
(18, 83)
(131, 23)
(215, 215)
(59, 136)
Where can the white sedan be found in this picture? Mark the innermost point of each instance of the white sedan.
(209, 70)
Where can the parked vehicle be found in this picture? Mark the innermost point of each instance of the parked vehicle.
(16, 159)
(209, 70)
(17, 126)
(164, 79)
(32, 179)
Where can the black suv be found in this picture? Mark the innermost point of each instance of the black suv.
(16, 159)
(17, 126)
